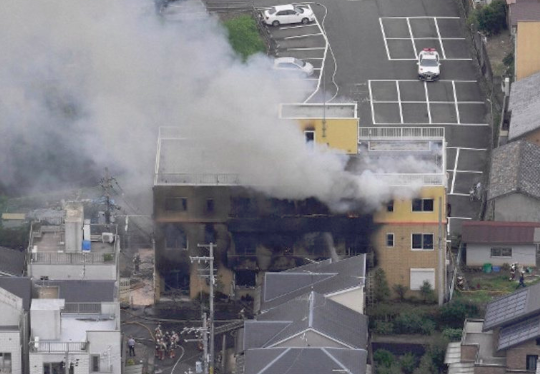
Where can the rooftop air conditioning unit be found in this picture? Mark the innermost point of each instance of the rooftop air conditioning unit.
(34, 249)
(36, 342)
(107, 237)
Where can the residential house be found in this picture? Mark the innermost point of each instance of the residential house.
(322, 334)
(506, 341)
(80, 337)
(76, 249)
(334, 125)
(12, 262)
(514, 183)
(500, 243)
(525, 18)
(194, 203)
(15, 298)
(13, 220)
(340, 281)
(410, 243)
(524, 110)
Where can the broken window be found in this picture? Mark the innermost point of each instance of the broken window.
(175, 237)
(210, 205)
(176, 204)
(390, 206)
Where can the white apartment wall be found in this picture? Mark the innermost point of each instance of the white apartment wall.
(479, 254)
(105, 344)
(353, 299)
(46, 324)
(66, 271)
(9, 316)
(38, 359)
(10, 342)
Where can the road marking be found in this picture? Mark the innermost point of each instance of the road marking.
(419, 17)
(440, 39)
(412, 37)
(305, 49)
(431, 102)
(456, 160)
(427, 102)
(384, 39)
(434, 124)
(469, 149)
(297, 27)
(467, 218)
(456, 102)
(302, 36)
(416, 59)
(317, 68)
(371, 103)
(399, 100)
(323, 60)
(312, 58)
(425, 38)
(470, 171)
(416, 80)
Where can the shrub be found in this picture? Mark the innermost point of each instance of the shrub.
(383, 311)
(244, 36)
(427, 291)
(381, 290)
(413, 323)
(383, 328)
(453, 314)
(383, 358)
(107, 257)
(452, 335)
(436, 351)
(491, 19)
(400, 290)
(408, 363)
(395, 368)
(426, 366)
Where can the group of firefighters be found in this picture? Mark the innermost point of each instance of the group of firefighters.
(166, 343)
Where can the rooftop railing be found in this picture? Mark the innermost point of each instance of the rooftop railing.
(197, 179)
(413, 179)
(73, 258)
(400, 133)
(53, 347)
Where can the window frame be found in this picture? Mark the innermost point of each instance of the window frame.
(92, 362)
(210, 205)
(527, 358)
(423, 235)
(306, 140)
(388, 235)
(501, 251)
(422, 208)
(3, 360)
(183, 204)
(390, 206)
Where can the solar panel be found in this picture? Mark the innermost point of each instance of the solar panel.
(519, 332)
(506, 309)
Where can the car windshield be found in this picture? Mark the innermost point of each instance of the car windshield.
(299, 62)
(429, 62)
(272, 10)
(299, 10)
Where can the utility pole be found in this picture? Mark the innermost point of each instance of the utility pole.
(202, 334)
(210, 260)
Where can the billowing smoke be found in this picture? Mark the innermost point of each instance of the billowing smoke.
(85, 84)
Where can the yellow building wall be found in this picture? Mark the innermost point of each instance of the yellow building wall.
(403, 212)
(527, 59)
(341, 133)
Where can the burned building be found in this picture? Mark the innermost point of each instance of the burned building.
(253, 233)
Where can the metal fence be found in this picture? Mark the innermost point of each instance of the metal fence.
(73, 258)
(400, 133)
(82, 308)
(50, 347)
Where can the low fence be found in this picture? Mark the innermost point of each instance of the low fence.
(73, 258)
(82, 308)
(229, 6)
(51, 347)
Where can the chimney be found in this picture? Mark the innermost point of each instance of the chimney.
(74, 227)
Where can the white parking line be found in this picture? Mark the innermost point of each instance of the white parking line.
(431, 102)
(312, 58)
(468, 149)
(419, 17)
(440, 39)
(302, 36)
(384, 39)
(306, 49)
(470, 171)
(371, 103)
(412, 37)
(298, 26)
(434, 124)
(416, 80)
(454, 172)
(399, 99)
(426, 38)
(415, 59)
(321, 75)
(427, 102)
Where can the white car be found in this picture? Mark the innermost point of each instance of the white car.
(294, 65)
(429, 67)
(285, 14)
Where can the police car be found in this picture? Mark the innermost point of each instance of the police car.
(429, 67)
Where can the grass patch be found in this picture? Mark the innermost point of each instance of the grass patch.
(244, 36)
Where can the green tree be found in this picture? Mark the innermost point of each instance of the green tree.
(400, 290)
(427, 291)
(453, 314)
(244, 36)
(381, 291)
(452, 335)
(408, 363)
(491, 19)
(426, 366)
(383, 358)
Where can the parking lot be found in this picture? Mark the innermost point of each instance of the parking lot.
(305, 42)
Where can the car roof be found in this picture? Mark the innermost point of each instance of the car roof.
(284, 7)
(284, 59)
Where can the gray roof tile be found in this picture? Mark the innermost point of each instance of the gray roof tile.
(515, 168)
(305, 361)
(524, 98)
(520, 332)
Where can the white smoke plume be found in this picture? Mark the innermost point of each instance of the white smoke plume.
(85, 84)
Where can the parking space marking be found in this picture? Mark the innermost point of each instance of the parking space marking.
(454, 173)
(297, 26)
(302, 36)
(384, 39)
(412, 37)
(456, 103)
(416, 80)
(306, 49)
(468, 149)
(400, 102)
(427, 102)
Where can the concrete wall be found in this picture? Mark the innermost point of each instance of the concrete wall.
(489, 370)
(527, 47)
(517, 207)
(66, 271)
(353, 299)
(479, 254)
(46, 324)
(10, 342)
(38, 359)
(468, 353)
(9, 316)
(107, 344)
(516, 357)
(311, 339)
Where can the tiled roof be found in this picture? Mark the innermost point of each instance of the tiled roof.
(491, 232)
(11, 262)
(305, 361)
(312, 312)
(524, 10)
(325, 277)
(512, 308)
(524, 96)
(520, 332)
(515, 168)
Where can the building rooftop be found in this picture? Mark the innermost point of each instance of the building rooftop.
(524, 95)
(75, 327)
(12, 262)
(499, 232)
(20, 287)
(325, 277)
(524, 10)
(515, 168)
(485, 341)
(318, 110)
(512, 308)
(305, 361)
(76, 291)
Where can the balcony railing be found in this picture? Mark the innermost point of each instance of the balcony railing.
(82, 308)
(52, 347)
(413, 179)
(400, 133)
(73, 258)
(197, 179)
